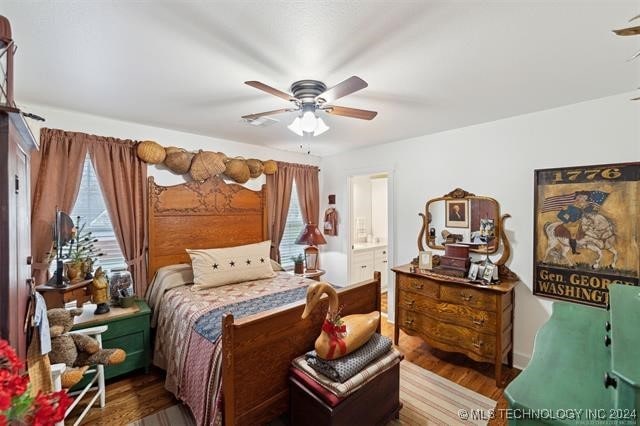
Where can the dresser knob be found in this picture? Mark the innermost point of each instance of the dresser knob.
(411, 304)
(610, 381)
(466, 297)
(478, 321)
(607, 325)
(408, 322)
(418, 286)
(478, 344)
(607, 340)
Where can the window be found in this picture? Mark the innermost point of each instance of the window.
(295, 224)
(91, 208)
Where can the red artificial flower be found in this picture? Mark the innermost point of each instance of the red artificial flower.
(43, 410)
(19, 384)
(50, 408)
(8, 358)
(5, 400)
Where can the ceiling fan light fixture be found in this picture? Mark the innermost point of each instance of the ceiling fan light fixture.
(308, 122)
(295, 127)
(321, 127)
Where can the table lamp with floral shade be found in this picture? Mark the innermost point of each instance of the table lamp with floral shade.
(312, 237)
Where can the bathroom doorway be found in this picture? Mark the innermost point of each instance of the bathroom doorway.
(370, 230)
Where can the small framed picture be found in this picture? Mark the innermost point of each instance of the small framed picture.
(457, 214)
(425, 260)
(473, 271)
(487, 273)
(487, 228)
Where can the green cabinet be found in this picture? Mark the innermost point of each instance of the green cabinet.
(130, 332)
(585, 367)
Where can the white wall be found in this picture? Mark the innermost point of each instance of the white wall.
(495, 159)
(79, 122)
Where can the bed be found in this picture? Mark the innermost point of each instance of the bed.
(244, 373)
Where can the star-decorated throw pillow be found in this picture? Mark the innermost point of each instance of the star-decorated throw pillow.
(221, 266)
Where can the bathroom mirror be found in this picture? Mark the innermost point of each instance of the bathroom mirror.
(460, 216)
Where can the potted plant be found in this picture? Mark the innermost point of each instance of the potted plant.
(298, 264)
(81, 254)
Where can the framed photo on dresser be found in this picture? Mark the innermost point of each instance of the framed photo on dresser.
(586, 231)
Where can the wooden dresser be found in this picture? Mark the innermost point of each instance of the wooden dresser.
(456, 316)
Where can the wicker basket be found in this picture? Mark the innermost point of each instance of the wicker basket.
(206, 164)
(39, 367)
(178, 160)
(151, 152)
(223, 156)
(237, 170)
(255, 167)
(270, 167)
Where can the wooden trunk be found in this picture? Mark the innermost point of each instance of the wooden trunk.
(16, 143)
(375, 403)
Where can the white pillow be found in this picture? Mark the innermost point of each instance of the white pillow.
(221, 266)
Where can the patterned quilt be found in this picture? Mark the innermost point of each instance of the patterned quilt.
(188, 335)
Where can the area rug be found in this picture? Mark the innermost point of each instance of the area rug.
(427, 398)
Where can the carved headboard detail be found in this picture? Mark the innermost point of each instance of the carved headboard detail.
(207, 214)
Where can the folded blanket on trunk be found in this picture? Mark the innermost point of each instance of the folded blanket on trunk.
(385, 362)
(343, 368)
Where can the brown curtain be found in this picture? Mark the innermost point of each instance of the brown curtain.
(123, 179)
(306, 178)
(279, 186)
(56, 171)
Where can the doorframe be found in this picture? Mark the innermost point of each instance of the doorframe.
(391, 223)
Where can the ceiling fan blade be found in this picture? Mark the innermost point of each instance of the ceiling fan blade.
(362, 114)
(261, 114)
(270, 90)
(628, 31)
(350, 85)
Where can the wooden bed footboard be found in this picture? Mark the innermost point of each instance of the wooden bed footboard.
(257, 352)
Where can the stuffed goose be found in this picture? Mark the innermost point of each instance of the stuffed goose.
(340, 335)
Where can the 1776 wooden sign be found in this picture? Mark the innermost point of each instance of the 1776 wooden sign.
(587, 227)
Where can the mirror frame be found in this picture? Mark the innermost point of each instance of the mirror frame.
(460, 194)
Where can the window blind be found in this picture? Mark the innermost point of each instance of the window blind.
(293, 227)
(90, 206)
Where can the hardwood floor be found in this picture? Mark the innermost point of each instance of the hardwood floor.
(138, 395)
(129, 398)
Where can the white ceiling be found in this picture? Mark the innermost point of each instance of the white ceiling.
(430, 65)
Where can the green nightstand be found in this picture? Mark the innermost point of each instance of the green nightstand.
(129, 329)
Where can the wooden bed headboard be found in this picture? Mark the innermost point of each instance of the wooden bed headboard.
(209, 214)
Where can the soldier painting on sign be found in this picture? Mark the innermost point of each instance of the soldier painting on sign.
(580, 224)
(586, 231)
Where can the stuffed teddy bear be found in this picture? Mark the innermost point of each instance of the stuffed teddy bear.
(77, 351)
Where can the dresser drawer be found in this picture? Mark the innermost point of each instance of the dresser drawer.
(475, 319)
(468, 296)
(418, 285)
(412, 301)
(452, 337)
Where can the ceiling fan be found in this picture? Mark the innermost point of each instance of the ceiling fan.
(310, 96)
